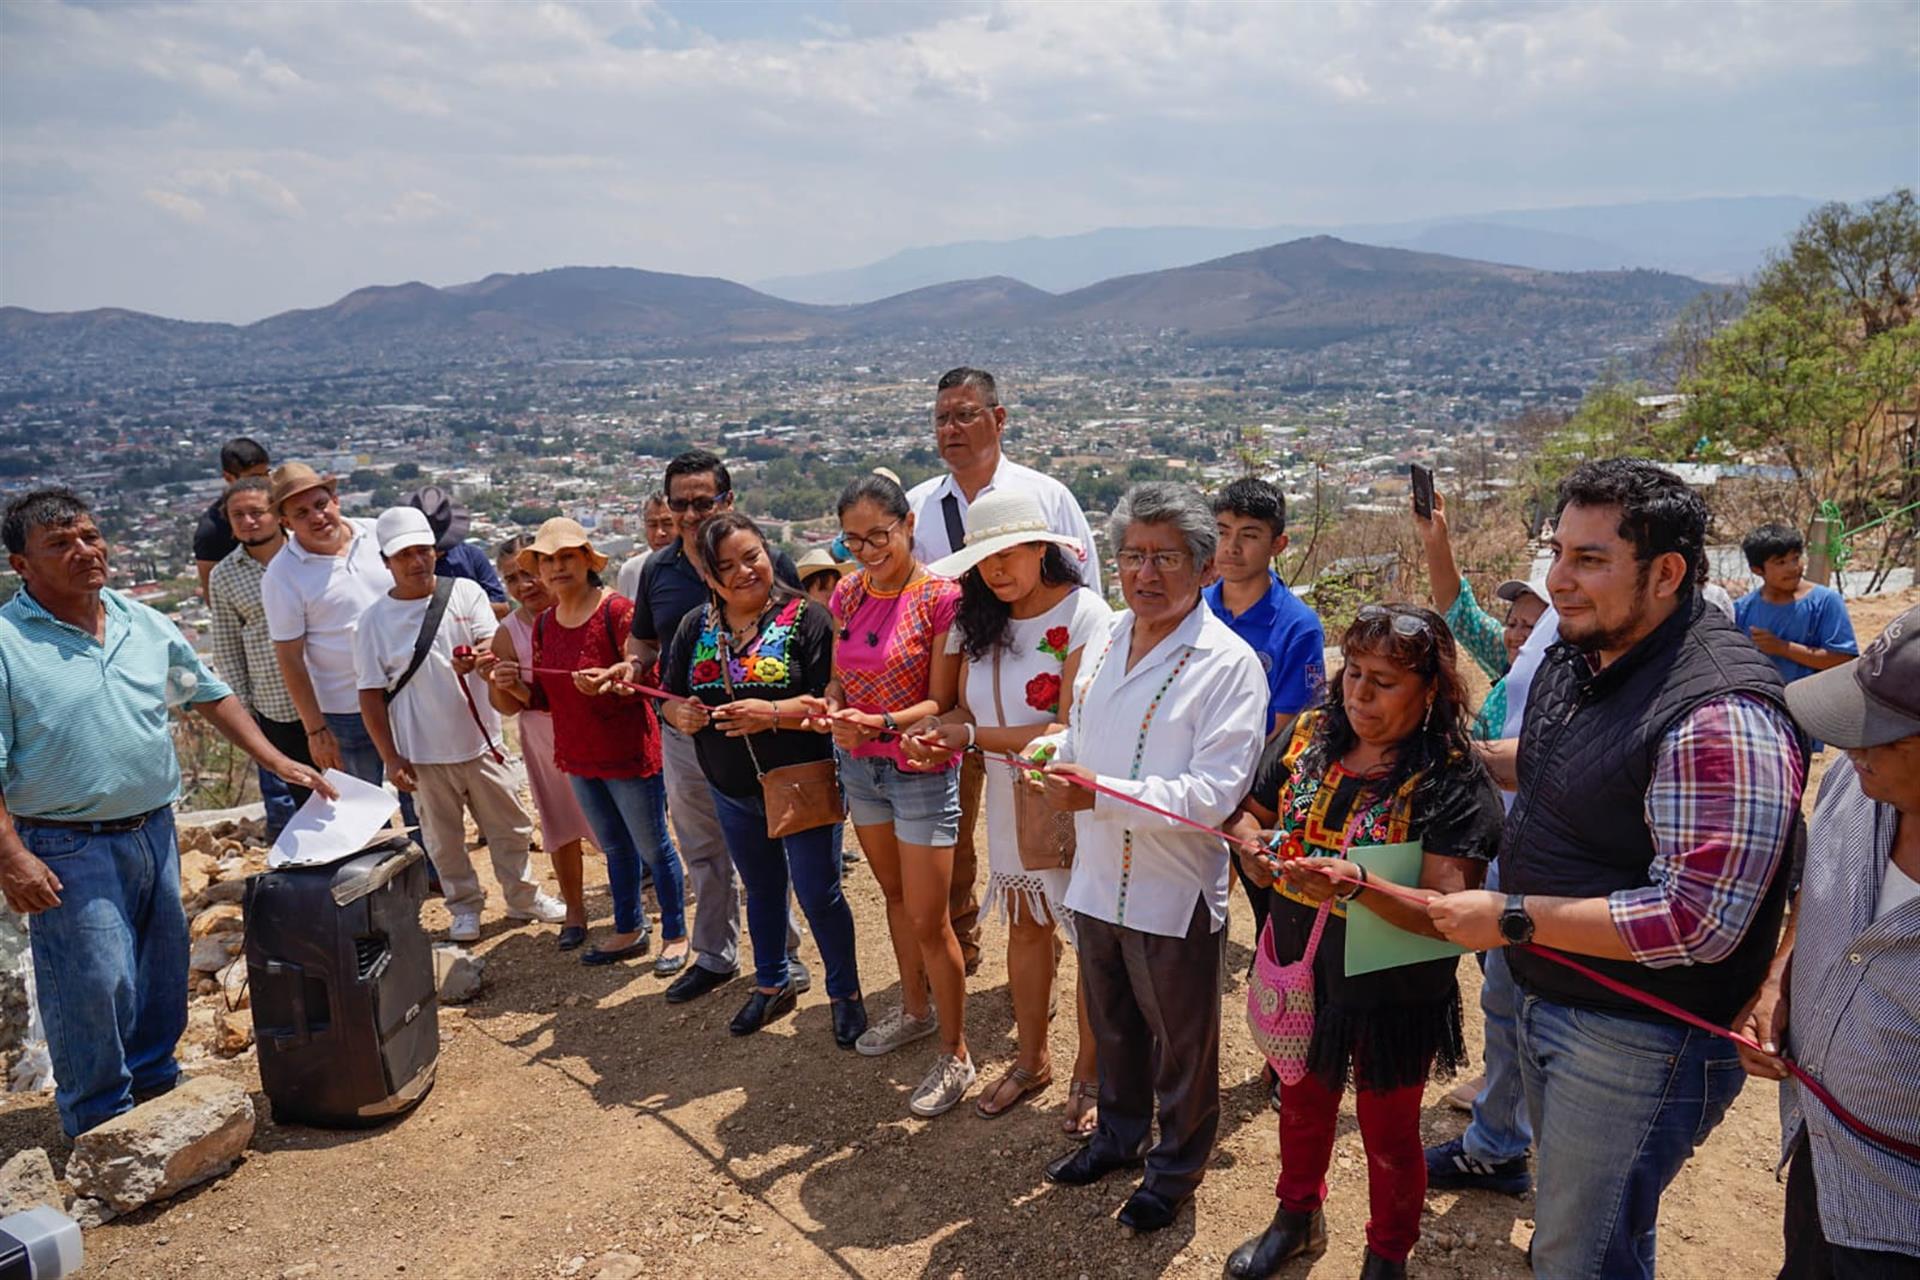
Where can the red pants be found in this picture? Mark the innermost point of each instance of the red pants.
(1396, 1162)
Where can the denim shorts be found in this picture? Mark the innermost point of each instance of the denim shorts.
(924, 808)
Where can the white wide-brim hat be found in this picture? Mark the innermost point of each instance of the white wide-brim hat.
(1001, 519)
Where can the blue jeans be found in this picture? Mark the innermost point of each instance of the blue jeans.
(625, 816)
(279, 802)
(1618, 1104)
(110, 966)
(359, 757)
(1500, 1130)
(806, 860)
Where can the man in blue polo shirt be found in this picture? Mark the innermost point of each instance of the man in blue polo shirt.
(1251, 516)
(88, 779)
(697, 486)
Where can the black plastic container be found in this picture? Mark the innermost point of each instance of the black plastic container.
(344, 1009)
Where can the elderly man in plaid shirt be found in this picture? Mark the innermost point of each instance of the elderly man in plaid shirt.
(1660, 780)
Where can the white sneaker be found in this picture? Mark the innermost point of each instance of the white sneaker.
(546, 909)
(895, 1030)
(944, 1086)
(466, 926)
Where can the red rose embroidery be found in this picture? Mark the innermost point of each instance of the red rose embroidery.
(706, 672)
(1057, 638)
(1043, 692)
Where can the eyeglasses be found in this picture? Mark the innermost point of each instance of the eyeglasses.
(1163, 561)
(699, 506)
(961, 417)
(857, 542)
(1405, 625)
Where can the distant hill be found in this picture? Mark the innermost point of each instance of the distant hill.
(1720, 239)
(1304, 293)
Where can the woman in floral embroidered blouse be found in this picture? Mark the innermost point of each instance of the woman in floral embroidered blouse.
(1023, 623)
(1387, 760)
(891, 669)
(747, 659)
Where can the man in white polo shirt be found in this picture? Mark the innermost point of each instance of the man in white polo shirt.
(968, 421)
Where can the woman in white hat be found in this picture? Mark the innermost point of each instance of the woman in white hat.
(1024, 620)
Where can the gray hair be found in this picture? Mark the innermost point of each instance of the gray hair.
(1164, 502)
(979, 381)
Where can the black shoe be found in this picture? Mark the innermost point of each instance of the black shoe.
(696, 982)
(849, 1021)
(1450, 1168)
(1378, 1268)
(1290, 1235)
(760, 1009)
(571, 936)
(1080, 1167)
(632, 951)
(1147, 1210)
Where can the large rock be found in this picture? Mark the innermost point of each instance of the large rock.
(457, 973)
(162, 1147)
(27, 1180)
(214, 952)
(222, 917)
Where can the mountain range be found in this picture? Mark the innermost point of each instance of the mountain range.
(1301, 294)
(1718, 239)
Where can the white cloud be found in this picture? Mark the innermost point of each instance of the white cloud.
(185, 208)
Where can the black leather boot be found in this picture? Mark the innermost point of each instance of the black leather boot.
(1378, 1268)
(1290, 1235)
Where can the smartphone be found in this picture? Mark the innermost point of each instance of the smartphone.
(1422, 490)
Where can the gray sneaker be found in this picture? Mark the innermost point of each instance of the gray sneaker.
(895, 1030)
(944, 1086)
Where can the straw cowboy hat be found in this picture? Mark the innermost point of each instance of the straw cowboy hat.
(1001, 519)
(555, 536)
(820, 560)
(296, 477)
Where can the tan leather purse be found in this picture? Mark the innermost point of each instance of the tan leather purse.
(1044, 834)
(797, 797)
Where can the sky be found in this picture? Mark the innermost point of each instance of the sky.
(230, 161)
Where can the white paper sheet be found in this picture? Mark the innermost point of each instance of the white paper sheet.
(324, 830)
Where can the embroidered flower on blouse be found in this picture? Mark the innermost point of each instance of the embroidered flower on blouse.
(1043, 692)
(1054, 643)
(706, 672)
(769, 670)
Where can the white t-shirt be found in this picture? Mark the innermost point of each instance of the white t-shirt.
(320, 599)
(430, 719)
(627, 581)
(1897, 889)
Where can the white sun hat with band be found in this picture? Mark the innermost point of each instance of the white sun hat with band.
(1002, 519)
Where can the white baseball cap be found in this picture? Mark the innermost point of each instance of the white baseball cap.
(401, 527)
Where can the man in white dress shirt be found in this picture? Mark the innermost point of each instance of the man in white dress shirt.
(968, 421)
(1173, 711)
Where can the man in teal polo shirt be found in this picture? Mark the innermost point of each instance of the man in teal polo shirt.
(88, 779)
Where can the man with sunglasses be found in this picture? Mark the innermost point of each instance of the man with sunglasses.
(968, 422)
(697, 485)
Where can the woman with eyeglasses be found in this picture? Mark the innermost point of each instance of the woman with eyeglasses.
(892, 669)
(1387, 760)
(746, 659)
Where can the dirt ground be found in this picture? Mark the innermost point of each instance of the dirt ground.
(577, 1114)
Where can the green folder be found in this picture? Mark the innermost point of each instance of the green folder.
(1374, 944)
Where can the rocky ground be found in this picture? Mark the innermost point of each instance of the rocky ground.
(580, 1126)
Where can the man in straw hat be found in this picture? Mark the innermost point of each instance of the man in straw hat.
(1853, 952)
(968, 423)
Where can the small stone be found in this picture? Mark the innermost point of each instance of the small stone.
(232, 982)
(221, 917)
(457, 973)
(196, 873)
(224, 891)
(95, 1213)
(571, 1267)
(212, 954)
(26, 1180)
(299, 1271)
(699, 1237)
(163, 1146)
(733, 1211)
(233, 1032)
(618, 1266)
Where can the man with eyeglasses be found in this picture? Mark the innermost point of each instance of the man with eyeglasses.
(968, 421)
(697, 486)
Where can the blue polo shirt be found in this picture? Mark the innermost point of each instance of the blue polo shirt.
(465, 560)
(671, 588)
(84, 733)
(1290, 641)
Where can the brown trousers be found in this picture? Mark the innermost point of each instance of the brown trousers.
(963, 903)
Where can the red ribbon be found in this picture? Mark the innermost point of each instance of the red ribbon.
(463, 652)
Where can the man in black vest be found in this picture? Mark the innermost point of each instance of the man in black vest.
(1660, 781)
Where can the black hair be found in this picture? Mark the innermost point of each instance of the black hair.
(1771, 540)
(245, 484)
(1659, 514)
(983, 617)
(658, 498)
(716, 529)
(966, 376)
(1443, 744)
(1254, 499)
(55, 507)
(696, 462)
(877, 489)
(512, 547)
(241, 454)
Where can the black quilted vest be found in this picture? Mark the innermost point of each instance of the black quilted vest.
(1578, 827)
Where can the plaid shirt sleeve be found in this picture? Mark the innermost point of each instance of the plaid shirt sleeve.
(229, 649)
(1479, 632)
(1720, 806)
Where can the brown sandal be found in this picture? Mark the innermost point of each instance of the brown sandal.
(1075, 1126)
(1028, 1084)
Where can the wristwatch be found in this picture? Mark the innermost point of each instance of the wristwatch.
(893, 727)
(1516, 926)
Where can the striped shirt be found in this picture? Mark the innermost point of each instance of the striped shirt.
(1725, 789)
(84, 733)
(1853, 1021)
(242, 649)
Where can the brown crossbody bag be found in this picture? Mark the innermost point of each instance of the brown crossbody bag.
(797, 797)
(1044, 833)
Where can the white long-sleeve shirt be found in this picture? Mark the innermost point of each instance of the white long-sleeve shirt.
(1062, 509)
(1183, 730)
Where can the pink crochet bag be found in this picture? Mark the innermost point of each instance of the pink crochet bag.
(1280, 996)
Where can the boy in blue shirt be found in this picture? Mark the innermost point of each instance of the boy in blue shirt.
(1802, 626)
